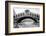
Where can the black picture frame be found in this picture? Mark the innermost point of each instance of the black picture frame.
(6, 18)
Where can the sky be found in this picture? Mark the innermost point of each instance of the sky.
(18, 10)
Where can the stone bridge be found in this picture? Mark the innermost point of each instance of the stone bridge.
(19, 17)
(28, 14)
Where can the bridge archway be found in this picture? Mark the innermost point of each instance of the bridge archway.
(20, 19)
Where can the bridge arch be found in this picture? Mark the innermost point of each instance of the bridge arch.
(20, 19)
